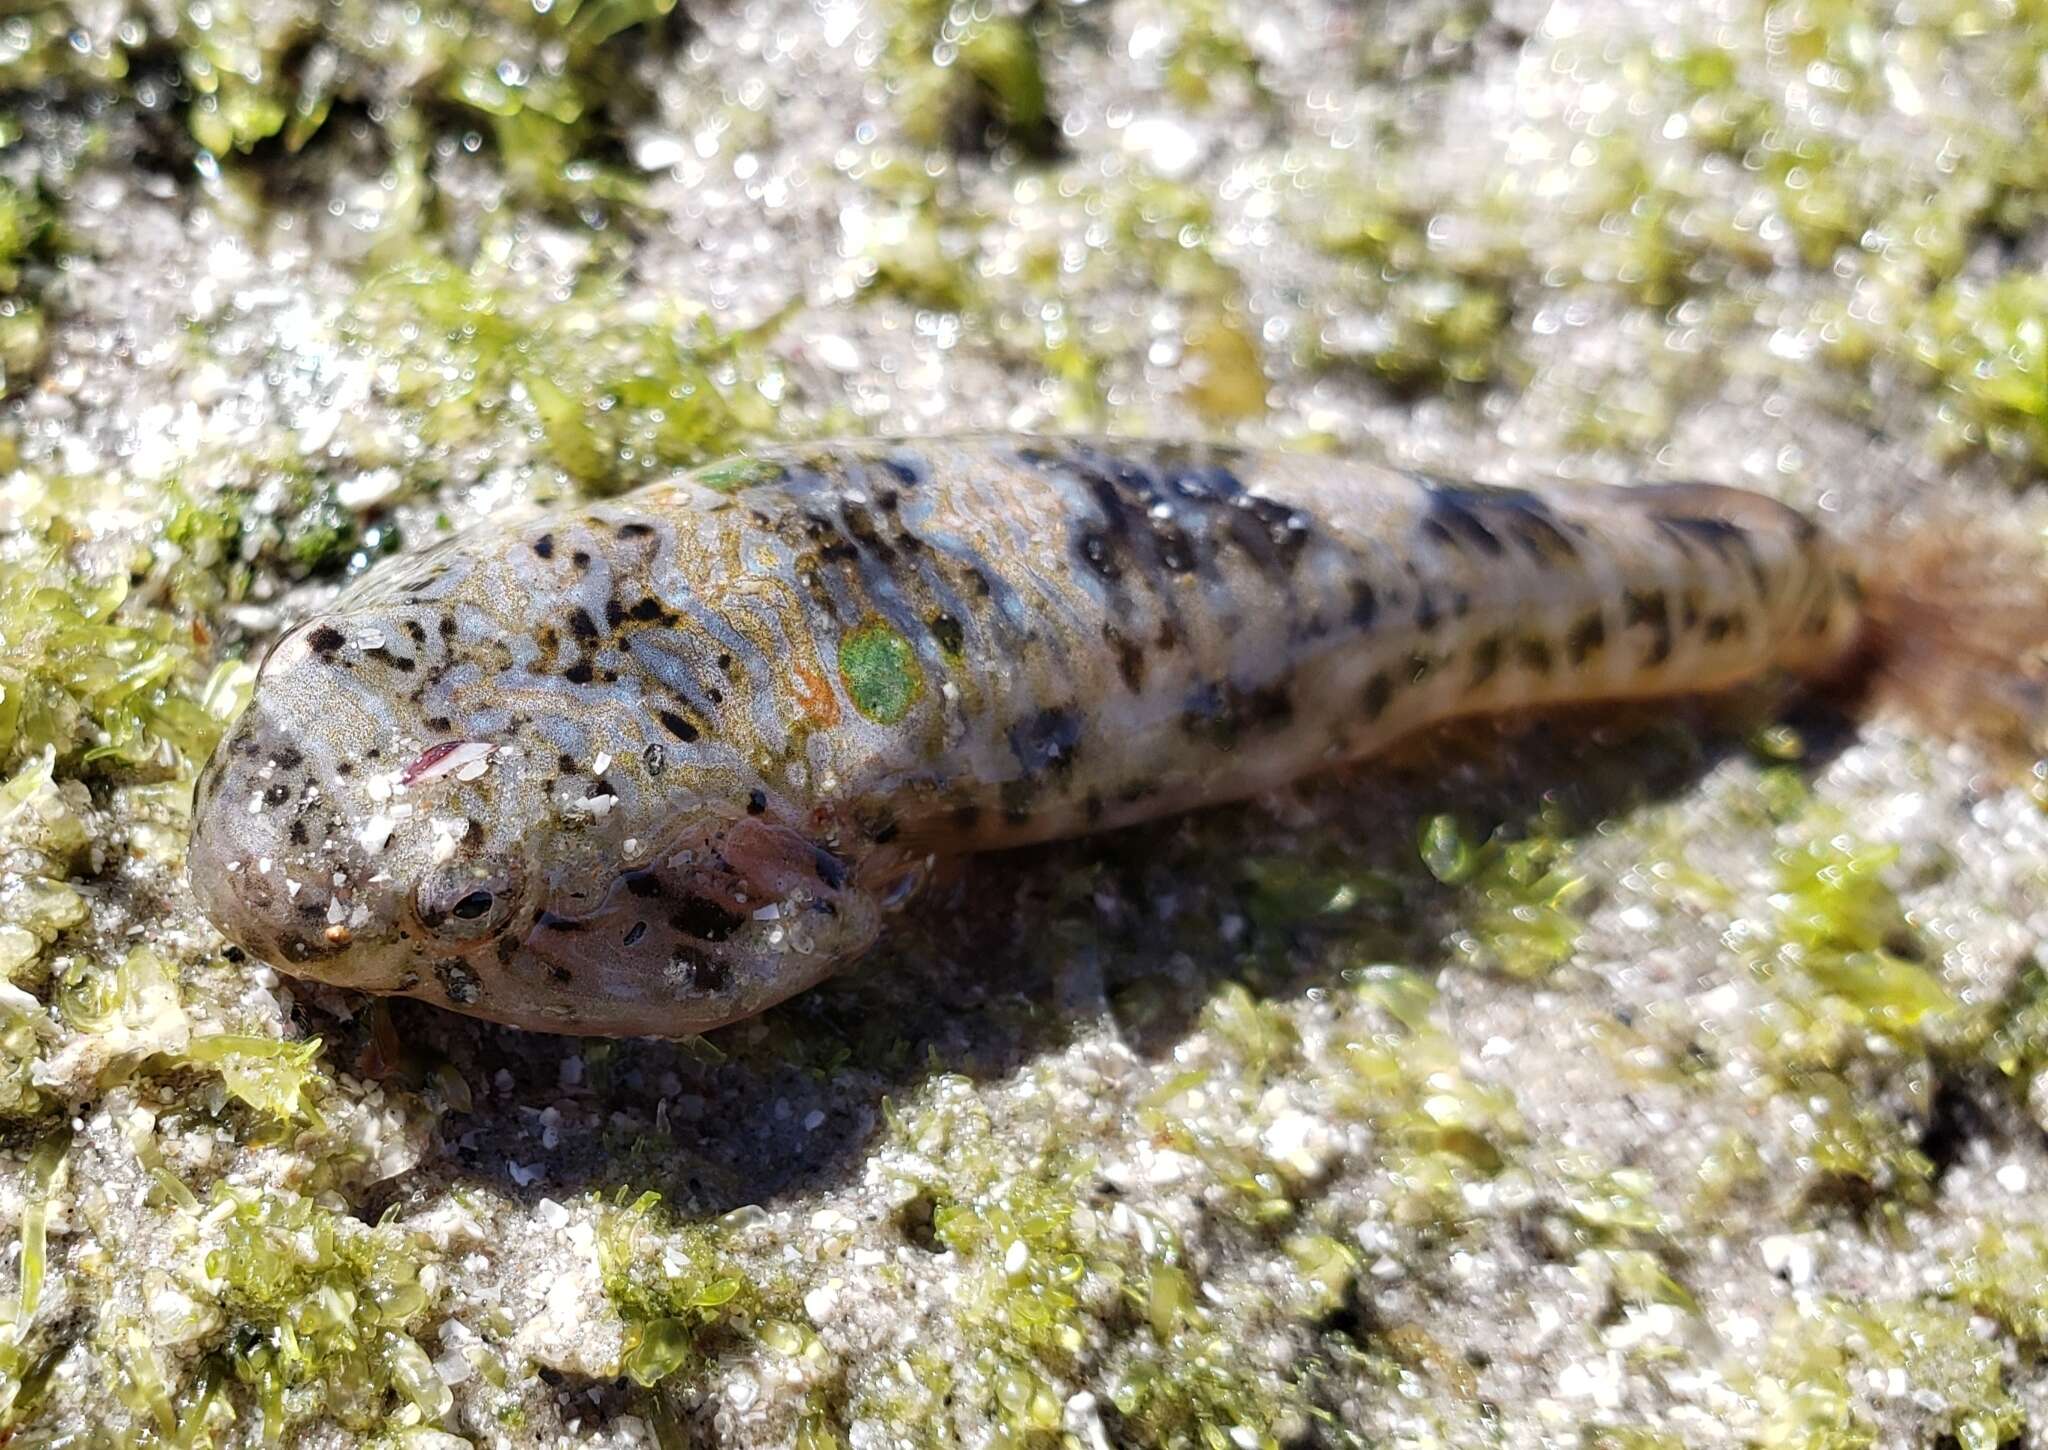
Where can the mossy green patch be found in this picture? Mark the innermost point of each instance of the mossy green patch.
(1525, 891)
(734, 474)
(23, 1364)
(92, 680)
(676, 1286)
(959, 68)
(1044, 1267)
(552, 85)
(24, 228)
(1821, 1355)
(326, 1309)
(880, 670)
(614, 393)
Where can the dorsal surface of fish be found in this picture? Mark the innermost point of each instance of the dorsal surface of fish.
(649, 765)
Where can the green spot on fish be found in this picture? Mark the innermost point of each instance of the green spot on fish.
(737, 473)
(881, 673)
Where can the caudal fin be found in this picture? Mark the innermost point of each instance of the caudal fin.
(1955, 634)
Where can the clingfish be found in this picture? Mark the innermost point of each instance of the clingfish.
(650, 765)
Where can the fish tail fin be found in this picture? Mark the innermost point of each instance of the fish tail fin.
(1953, 633)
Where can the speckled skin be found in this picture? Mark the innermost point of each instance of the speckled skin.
(649, 766)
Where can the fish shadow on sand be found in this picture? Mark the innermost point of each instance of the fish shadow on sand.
(1129, 934)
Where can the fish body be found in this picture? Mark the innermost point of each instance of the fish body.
(647, 766)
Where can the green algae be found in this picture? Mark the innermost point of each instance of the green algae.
(552, 85)
(1439, 316)
(1523, 893)
(324, 1311)
(1985, 345)
(677, 1288)
(880, 670)
(83, 676)
(1209, 58)
(1838, 959)
(25, 227)
(272, 1076)
(614, 393)
(959, 69)
(1041, 1259)
(1440, 1128)
(1808, 1389)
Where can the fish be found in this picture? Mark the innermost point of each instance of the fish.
(649, 765)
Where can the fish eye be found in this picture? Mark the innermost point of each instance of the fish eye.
(467, 902)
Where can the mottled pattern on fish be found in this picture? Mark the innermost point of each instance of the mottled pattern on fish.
(650, 765)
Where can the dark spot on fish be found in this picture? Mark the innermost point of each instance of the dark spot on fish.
(1533, 653)
(1365, 604)
(705, 920)
(1723, 626)
(828, 868)
(636, 531)
(947, 631)
(549, 921)
(1016, 797)
(1176, 549)
(415, 631)
(1379, 692)
(965, 818)
(581, 624)
(633, 934)
(1588, 635)
(566, 762)
(447, 626)
(614, 612)
(1222, 712)
(1130, 657)
(580, 558)
(1486, 656)
(1542, 539)
(1049, 740)
(647, 609)
(1096, 552)
(545, 546)
(677, 726)
(1426, 616)
(1452, 525)
(579, 673)
(458, 981)
(757, 801)
(703, 974)
(326, 639)
(276, 795)
(643, 884)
